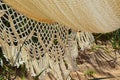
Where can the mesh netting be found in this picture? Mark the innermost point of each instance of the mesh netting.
(41, 46)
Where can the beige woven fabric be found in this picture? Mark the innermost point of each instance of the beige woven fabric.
(43, 47)
(87, 15)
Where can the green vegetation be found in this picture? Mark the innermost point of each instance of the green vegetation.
(89, 72)
(113, 38)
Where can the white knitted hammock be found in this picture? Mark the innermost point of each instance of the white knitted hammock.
(43, 47)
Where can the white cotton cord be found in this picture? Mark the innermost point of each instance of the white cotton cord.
(1, 62)
(85, 39)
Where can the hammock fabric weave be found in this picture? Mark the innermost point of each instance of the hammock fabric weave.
(43, 47)
(97, 16)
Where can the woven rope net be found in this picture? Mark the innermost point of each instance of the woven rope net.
(43, 47)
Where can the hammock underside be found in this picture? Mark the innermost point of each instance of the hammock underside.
(43, 47)
(97, 16)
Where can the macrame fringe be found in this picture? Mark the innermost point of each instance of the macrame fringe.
(85, 39)
(46, 49)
